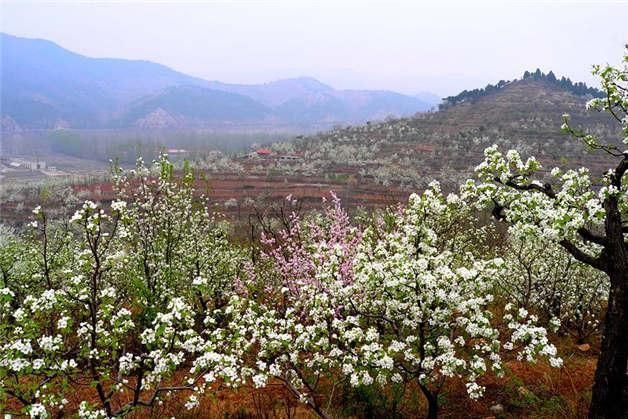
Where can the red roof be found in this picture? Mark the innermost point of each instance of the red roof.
(263, 151)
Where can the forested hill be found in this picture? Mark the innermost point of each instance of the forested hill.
(577, 88)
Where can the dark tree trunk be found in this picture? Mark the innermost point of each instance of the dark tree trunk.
(432, 412)
(610, 376)
(432, 402)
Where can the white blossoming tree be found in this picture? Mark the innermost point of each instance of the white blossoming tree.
(541, 277)
(587, 217)
(421, 314)
(133, 296)
(32, 323)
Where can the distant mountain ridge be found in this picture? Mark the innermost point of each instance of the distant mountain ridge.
(276, 92)
(46, 86)
(43, 83)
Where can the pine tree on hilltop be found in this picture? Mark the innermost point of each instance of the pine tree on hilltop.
(578, 88)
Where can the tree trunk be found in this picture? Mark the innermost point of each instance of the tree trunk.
(432, 412)
(610, 376)
(432, 402)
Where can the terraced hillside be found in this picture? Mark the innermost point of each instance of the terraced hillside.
(446, 145)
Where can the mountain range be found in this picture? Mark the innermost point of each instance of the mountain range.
(46, 86)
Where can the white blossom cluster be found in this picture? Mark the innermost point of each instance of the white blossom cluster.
(428, 308)
(543, 278)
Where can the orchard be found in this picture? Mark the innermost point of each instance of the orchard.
(149, 299)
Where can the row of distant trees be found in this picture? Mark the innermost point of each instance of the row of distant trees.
(577, 88)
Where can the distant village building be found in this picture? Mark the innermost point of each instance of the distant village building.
(263, 152)
(176, 151)
(34, 165)
(289, 157)
(61, 124)
(16, 163)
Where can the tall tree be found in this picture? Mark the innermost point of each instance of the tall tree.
(589, 222)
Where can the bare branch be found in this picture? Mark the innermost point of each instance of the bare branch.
(620, 170)
(545, 189)
(583, 257)
(588, 235)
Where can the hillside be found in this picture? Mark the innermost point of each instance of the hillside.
(564, 83)
(182, 106)
(446, 145)
(47, 86)
(523, 107)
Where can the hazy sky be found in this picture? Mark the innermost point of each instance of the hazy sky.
(410, 46)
